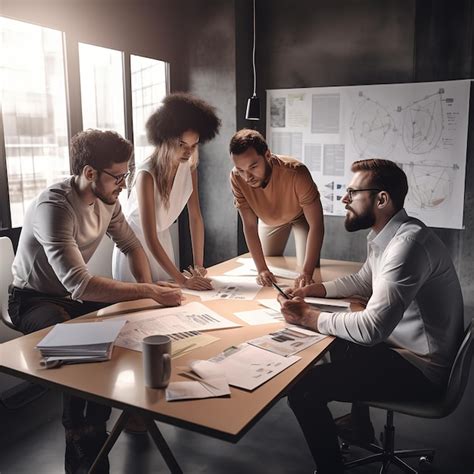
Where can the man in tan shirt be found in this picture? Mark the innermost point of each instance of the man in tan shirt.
(275, 194)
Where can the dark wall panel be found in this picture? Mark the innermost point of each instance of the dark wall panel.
(341, 42)
(210, 30)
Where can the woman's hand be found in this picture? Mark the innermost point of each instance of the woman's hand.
(196, 282)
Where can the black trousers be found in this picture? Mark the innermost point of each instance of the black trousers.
(355, 373)
(31, 311)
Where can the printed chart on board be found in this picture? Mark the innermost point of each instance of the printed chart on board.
(421, 126)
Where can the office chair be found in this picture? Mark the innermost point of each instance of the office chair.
(437, 409)
(6, 257)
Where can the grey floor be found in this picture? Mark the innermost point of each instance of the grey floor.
(32, 441)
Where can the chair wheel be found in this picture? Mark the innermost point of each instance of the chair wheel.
(425, 463)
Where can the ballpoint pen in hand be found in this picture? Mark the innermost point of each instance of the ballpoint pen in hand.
(280, 290)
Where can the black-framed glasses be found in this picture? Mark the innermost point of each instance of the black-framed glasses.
(119, 178)
(350, 192)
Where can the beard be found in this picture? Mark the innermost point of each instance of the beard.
(354, 222)
(109, 199)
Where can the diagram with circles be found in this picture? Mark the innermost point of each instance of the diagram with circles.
(421, 126)
(430, 183)
(373, 128)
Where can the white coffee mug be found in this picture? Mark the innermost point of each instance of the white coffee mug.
(157, 361)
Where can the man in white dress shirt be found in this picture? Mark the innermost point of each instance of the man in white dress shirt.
(402, 345)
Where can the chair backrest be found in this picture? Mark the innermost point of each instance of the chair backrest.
(460, 371)
(6, 257)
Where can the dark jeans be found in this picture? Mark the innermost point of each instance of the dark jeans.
(31, 311)
(355, 373)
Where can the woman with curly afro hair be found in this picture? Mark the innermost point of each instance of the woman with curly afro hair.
(165, 183)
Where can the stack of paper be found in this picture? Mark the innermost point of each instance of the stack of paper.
(80, 342)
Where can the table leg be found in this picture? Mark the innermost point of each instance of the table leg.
(163, 446)
(111, 439)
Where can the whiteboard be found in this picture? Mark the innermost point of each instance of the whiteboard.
(421, 126)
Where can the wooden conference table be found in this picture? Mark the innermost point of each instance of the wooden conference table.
(120, 381)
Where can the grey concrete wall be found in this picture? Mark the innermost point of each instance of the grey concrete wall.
(339, 42)
(211, 75)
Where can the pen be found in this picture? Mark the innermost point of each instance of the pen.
(280, 290)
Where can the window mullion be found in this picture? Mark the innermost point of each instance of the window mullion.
(73, 85)
(127, 96)
(5, 213)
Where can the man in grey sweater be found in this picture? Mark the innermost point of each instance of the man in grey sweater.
(402, 345)
(63, 227)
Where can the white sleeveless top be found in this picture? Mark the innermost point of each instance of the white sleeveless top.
(179, 196)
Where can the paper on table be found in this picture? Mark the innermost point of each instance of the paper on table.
(183, 346)
(194, 389)
(287, 341)
(210, 382)
(328, 305)
(260, 316)
(166, 321)
(277, 271)
(248, 367)
(225, 287)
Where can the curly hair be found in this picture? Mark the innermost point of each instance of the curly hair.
(178, 113)
(98, 149)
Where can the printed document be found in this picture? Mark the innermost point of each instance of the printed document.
(225, 287)
(248, 367)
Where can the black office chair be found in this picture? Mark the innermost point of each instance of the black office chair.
(437, 409)
(6, 257)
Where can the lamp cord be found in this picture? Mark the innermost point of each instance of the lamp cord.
(253, 55)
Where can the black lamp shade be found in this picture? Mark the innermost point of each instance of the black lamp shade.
(253, 108)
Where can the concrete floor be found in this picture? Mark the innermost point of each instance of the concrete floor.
(32, 441)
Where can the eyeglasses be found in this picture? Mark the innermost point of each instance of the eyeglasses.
(119, 178)
(350, 192)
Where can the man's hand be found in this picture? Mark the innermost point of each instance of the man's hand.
(303, 279)
(296, 311)
(266, 278)
(166, 295)
(316, 289)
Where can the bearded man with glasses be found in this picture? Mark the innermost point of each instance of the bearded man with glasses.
(402, 345)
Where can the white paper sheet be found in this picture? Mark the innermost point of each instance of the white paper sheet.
(287, 342)
(225, 287)
(277, 271)
(248, 367)
(260, 316)
(190, 317)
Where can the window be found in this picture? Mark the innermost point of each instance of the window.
(35, 110)
(33, 96)
(149, 87)
(102, 88)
